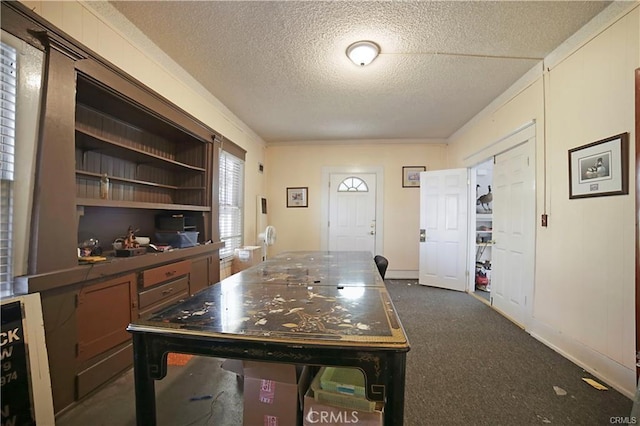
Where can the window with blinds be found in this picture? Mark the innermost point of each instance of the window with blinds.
(8, 73)
(231, 203)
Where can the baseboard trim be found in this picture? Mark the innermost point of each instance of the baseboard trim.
(395, 274)
(614, 374)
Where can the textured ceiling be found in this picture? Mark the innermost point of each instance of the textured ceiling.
(280, 66)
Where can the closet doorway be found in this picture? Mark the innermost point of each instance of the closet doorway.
(506, 225)
(482, 218)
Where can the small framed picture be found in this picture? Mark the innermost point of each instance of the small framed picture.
(411, 176)
(298, 197)
(600, 168)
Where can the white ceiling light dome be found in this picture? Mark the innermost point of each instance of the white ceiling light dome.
(363, 52)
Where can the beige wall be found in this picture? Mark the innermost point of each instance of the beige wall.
(584, 277)
(294, 165)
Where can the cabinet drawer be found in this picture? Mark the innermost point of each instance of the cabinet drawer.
(157, 275)
(163, 304)
(156, 294)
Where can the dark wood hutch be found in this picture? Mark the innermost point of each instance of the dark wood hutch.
(96, 120)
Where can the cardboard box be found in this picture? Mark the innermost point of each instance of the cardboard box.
(316, 413)
(246, 257)
(272, 392)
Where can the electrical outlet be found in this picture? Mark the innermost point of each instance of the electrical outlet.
(545, 220)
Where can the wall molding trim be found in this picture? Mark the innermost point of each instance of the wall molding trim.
(397, 274)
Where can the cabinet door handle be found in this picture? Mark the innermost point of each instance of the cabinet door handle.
(167, 291)
(170, 273)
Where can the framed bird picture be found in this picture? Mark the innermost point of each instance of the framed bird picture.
(600, 168)
(411, 176)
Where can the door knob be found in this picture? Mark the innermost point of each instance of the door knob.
(423, 235)
(372, 233)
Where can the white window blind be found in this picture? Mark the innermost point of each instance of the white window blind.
(231, 203)
(8, 72)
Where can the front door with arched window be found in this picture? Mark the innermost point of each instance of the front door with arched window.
(352, 212)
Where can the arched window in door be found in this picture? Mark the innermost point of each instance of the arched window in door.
(353, 184)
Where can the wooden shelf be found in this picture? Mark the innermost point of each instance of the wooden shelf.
(90, 141)
(139, 205)
(119, 179)
(138, 182)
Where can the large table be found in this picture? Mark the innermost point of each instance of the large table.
(307, 308)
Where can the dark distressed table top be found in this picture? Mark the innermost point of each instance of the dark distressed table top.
(314, 268)
(298, 297)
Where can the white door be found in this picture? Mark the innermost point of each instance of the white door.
(352, 212)
(443, 227)
(514, 221)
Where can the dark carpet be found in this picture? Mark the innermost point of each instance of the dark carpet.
(468, 365)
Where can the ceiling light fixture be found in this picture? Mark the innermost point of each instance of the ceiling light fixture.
(363, 52)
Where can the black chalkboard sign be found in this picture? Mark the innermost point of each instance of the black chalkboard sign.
(16, 401)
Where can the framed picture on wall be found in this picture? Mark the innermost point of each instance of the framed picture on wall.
(411, 176)
(297, 197)
(600, 168)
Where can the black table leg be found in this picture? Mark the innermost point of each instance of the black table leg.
(144, 384)
(394, 406)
